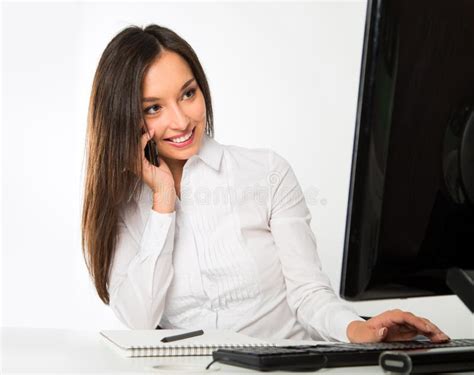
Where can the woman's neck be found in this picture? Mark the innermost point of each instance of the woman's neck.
(176, 166)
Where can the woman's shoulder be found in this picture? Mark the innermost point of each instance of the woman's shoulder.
(253, 157)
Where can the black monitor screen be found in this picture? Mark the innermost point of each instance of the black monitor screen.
(411, 203)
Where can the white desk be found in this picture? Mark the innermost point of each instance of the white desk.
(28, 350)
(33, 350)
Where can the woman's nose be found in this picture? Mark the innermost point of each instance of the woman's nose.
(177, 118)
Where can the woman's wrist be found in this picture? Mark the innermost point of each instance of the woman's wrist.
(352, 330)
(164, 200)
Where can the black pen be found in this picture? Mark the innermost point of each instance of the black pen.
(182, 336)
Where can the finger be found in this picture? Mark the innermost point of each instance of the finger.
(400, 336)
(424, 326)
(402, 317)
(401, 332)
(433, 326)
(438, 336)
(407, 328)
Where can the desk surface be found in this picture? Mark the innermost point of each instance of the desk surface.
(68, 351)
(29, 350)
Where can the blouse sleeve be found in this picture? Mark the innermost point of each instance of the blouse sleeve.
(142, 271)
(309, 292)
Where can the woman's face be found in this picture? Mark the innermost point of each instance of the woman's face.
(173, 106)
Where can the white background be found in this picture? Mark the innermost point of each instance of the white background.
(283, 75)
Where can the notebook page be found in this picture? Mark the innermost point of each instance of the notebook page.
(127, 339)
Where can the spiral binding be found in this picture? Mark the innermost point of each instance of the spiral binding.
(185, 350)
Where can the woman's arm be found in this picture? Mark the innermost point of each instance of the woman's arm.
(142, 271)
(309, 292)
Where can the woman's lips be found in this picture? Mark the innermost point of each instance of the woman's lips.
(183, 144)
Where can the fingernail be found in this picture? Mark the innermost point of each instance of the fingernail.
(382, 331)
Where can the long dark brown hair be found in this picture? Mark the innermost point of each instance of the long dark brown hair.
(115, 122)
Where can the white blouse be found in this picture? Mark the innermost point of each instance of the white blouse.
(237, 253)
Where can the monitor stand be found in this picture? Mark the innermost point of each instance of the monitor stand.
(461, 283)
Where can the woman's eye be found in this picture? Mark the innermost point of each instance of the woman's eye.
(192, 91)
(153, 107)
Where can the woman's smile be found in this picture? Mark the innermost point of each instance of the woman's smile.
(183, 141)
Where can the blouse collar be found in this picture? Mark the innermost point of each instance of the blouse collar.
(210, 152)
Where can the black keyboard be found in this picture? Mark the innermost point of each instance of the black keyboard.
(318, 356)
(267, 358)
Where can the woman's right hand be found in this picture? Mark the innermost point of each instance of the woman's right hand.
(159, 179)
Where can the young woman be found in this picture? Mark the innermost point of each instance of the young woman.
(216, 235)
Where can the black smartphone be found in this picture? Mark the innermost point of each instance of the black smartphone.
(151, 153)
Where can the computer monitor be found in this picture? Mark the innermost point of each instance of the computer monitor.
(411, 201)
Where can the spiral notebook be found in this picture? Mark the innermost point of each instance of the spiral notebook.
(147, 343)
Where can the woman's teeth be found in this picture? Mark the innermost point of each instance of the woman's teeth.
(182, 139)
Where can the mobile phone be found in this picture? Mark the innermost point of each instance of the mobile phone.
(151, 153)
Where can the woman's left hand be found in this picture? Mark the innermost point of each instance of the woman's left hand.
(394, 325)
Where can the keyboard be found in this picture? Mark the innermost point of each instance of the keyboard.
(268, 358)
(313, 357)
